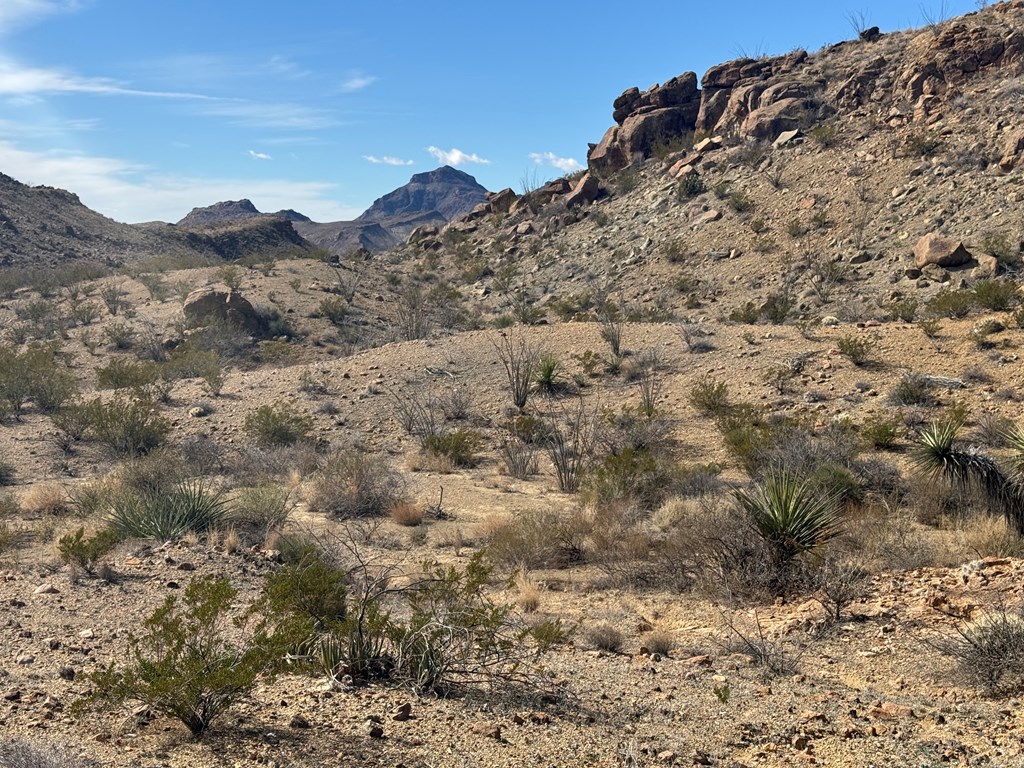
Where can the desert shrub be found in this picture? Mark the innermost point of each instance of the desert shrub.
(518, 456)
(570, 446)
(459, 446)
(748, 314)
(604, 637)
(126, 374)
(661, 642)
(1001, 246)
(995, 295)
(422, 416)
(546, 377)
(128, 427)
(18, 753)
(351, 484)
(857, 348)
(912, 389)
(85, 552)
(777, 307)
(739, 201)
(838, 584)
(825, 135)
(194, 660)
(904, 309)
(260, 509)
(881, 433)
(989, 651)
(335, 309)
(922, 144)
(165, 515)
(710, 397)
(951, 304)
(519, 360)
(690, 186)
(189, 361)
(610, 317)
(630, 475)
(277, 425)
(33, 375)
(789, 516)
(536, 539)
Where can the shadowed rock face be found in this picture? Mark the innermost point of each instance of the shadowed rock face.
(449, 192)
(220, 213)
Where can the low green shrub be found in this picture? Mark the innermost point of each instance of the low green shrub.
(459, 446)
(691, 186)
(995, 295)
(120, 373)
(127, 426)
(351, 484)
(710, 397)
(194, 659)
(272, 425)
(857, 348)
(952, 304)
(85, 552)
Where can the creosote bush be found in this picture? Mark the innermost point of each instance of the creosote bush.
(989, 651)
(194, 659)
(270, 425)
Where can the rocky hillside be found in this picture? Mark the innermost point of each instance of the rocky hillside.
(42, 227)
(449, 192)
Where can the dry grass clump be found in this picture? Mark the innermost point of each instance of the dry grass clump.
(989, 651)
(660, 641)
(535, 539)
(604, 637)
(46, 499)
(529, 595)
(351, 484)
(406, 513)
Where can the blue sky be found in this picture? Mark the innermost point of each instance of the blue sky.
(147, 109)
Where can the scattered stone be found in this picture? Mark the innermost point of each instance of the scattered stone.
(373, 730)
(45, 589)
(402, 712)
(488, 730)
(298, 721)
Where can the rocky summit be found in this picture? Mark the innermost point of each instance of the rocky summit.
(446, 190)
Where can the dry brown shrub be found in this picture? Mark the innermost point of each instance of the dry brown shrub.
(46, 499)
(660, 641)
(529, 596)
(407, 513)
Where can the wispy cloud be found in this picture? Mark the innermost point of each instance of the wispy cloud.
(14, 13)
(455, 157)
(259, 155)
(286, 67)
(131, 192)
(19, 80)
(356, 81)
(386, 160)
(256, 114)
(566, 164)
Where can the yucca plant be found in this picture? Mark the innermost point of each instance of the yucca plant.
(192, 507)
(939, 455)
(790, 516)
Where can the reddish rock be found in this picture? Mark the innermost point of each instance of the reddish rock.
(584, 193)
(1012, 150)
(934, 249)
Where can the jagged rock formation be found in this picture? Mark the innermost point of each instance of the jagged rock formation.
(219, 213)
(761, 98)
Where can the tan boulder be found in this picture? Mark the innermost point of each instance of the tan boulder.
(206, 305)
(936, 250)
(584, 193)
(1012, 150)
(768, 122)
(501, 201)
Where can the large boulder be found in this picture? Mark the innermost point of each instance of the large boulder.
(768, 122)
(940, 251)
(1012, 150)
(206, 305)
(584, 193)
(501, 201)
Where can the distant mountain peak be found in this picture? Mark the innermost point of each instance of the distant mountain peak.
(220, 213)
(448, 191)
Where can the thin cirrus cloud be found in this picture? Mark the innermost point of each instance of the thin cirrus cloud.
(19, 80)
(567, 164)
(356, 81)
(259, 155)
(455, 157)
(386, 160)
(15, 12)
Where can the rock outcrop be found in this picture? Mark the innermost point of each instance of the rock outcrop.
(206, 305)
(935, 249)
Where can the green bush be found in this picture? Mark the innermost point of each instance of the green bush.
(952, 304)
(352, 484)
(629, 475)
(126, 374)
(270, 425)
(912, 389)
(165, 515)
(748, 314)
(740, 202)
(33, 375)
(335, 309)
(86, 552)
(777, 306)
(546, 377)
(904, 309)
(459, 446)
(691, 186)
(261, 509)
(710, 397)
(881, 433)
(996, 295)
(194, 660)
(128, 427)
(856, 348)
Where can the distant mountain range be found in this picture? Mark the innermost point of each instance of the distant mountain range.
(45, 226)
(434, 197)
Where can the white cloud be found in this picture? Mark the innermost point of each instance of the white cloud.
(356, 81)
(455, 157)
(259, 155)
(19, 80)
(256, 114)
(285, 67)
(566, 164)
(16, 12)
(386, 160)
(130, 192)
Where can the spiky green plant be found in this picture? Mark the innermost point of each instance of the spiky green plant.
(192, 507)
(790, 516)
(939, 455)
